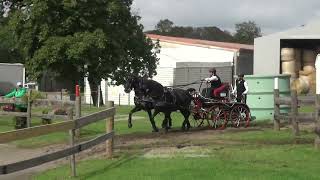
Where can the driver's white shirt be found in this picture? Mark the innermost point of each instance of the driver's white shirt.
(212, 78)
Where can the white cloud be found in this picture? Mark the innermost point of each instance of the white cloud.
(271, 15)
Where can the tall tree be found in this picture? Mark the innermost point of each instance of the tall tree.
(8, 52)
(99, 38)
(246, 32)
(164, 26)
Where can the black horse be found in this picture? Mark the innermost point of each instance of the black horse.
(174, 100)
(146, 92)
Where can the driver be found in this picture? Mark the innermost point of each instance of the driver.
(215, 82)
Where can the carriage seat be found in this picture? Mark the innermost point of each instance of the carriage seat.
(216, 93)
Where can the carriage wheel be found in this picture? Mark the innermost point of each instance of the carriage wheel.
(218, 117)
(197, 120)
(240, 116)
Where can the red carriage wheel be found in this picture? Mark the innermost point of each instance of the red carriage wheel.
(197, 120)
(240, 116)
(217, 117)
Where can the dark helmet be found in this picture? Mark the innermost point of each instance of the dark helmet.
(241, 75)
(213, 70)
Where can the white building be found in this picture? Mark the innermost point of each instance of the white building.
(184, 60)
(267, 49)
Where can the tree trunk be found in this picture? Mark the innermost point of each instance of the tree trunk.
(94, 83)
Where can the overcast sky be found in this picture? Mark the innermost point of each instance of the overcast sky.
(270, 15)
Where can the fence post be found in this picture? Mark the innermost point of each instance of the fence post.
(317, 124)
(29, 109)
(294, 113)
(109, 128)
(276, 120)
(317, 111)
(72, 135)
(98, 98)
(78, 108)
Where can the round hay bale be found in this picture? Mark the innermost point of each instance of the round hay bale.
(288, 67)
(287, 54)
(305, 78)
(300, 85)
(309, 69)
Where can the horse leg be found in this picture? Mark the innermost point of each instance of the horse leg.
(164, 123)
(186, 114)
(151, 117)
(170, 121)
(135, 109)
(167, 119)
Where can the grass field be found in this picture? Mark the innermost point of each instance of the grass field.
(140, 124)
(245, 155)
(260, 154)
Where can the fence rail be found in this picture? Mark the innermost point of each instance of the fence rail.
(71, 125)
(39, 103)
(18, 166)
(295, 117)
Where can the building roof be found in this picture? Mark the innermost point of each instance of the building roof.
(198, 42)
(309, 31)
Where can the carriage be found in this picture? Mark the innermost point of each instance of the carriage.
(219, 111)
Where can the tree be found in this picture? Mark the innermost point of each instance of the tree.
(8, 52)
(212, 33)
(164, 26)
(98, 38)
(246, 32)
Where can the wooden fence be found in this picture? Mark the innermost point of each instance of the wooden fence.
(41, 103)
(294, 116)
(70, 125)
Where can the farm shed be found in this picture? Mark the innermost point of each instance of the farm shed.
(290, 52)
(184, 60)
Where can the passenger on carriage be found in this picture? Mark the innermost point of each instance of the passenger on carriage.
(216, 86)
(241, 89)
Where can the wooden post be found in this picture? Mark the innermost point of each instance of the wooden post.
(276, 120)
(119, 99)
(317, 124)
(29, 109)
(294, 113)
(72, 135)
(78, 108)
(98, 98)
(109, 128)
(317, 111)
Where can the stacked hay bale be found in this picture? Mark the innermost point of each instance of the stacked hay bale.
(288, 62)
(306, 81)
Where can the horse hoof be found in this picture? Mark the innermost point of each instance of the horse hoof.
(129, 125)
(155, 130)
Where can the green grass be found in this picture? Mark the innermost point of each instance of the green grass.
(259, 156)
(92, 130)
(306, 109)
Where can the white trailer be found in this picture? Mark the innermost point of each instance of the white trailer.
(10, 74)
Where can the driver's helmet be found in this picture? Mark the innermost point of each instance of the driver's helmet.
(212, 70)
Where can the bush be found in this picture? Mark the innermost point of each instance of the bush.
(34, 95)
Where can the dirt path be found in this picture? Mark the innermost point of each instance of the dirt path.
(142, 142)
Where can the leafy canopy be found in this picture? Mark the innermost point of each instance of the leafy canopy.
(76, 37)
(246, 32)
